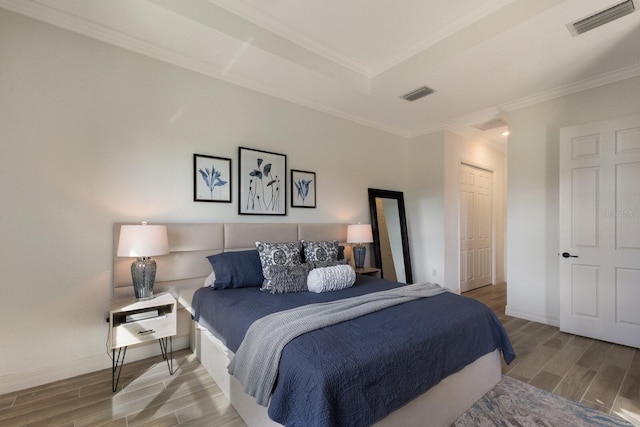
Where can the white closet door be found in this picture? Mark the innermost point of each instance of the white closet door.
(476, 213)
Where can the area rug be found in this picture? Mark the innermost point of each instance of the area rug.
(514, 403)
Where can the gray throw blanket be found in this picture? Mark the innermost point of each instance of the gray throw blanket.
(255, 363)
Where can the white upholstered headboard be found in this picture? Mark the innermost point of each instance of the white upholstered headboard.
(186, 266)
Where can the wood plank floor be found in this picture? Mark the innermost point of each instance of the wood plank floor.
(601, 375)
(598, 374)
(147, 396)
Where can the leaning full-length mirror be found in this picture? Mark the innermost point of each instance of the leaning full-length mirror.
(390, 241)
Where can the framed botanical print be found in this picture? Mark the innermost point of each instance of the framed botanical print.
(303, 189)
(211, 179)
(263, 182)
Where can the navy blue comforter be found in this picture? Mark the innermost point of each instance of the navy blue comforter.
(357, 372)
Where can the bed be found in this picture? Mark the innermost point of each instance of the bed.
(455, 366)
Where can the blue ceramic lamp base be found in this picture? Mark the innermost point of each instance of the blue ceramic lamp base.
(143, 273)
(359, 252)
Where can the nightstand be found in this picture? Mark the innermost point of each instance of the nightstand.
(368, 271)
(133, 321)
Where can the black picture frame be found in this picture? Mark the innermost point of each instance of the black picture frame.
(262, 178)
(303, 189)
(211, 179)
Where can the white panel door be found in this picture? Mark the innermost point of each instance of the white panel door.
(476, 243)
(600, 230)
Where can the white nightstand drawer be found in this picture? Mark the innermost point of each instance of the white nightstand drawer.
(143, 330)
(133, 321)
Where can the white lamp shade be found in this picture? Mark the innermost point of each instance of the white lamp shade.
(359, 233)
(143, 240)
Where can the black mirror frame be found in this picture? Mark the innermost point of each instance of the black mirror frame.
(396, 195)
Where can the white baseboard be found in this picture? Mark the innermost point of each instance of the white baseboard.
(533, 317)
(23, 380)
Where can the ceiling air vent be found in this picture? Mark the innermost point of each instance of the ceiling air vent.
(601, 18)
(417, 93)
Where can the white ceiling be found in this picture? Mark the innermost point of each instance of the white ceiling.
(354, 58)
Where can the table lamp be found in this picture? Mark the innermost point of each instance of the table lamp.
(143, 241)
(359, 234)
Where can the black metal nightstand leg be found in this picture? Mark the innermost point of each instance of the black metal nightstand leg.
(116, 366)
(168, 356)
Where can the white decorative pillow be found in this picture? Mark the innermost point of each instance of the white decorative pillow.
(333, 278)
(210, 280)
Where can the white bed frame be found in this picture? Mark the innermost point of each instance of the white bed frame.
(183, 271)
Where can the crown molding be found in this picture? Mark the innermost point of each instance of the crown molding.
(261, 19)
(49, 14)
(582, 85)
(264, 20)
(93, 30)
